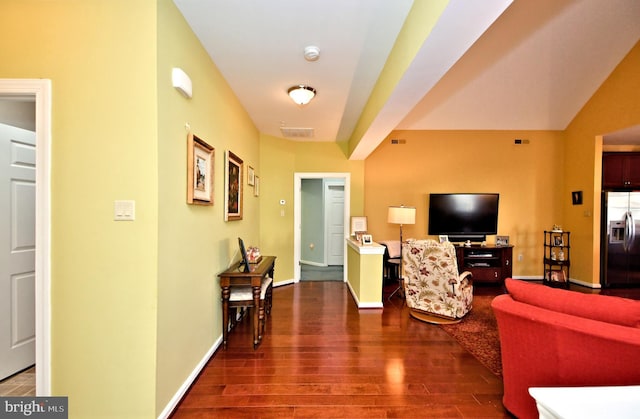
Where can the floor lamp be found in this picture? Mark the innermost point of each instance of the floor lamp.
(401, 215)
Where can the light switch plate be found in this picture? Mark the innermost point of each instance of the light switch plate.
(124, 210)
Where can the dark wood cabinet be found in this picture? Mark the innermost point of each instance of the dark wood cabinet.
(491, 264)
(620, 170)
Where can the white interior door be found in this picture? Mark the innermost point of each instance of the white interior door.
(334, 209)
(17, 249)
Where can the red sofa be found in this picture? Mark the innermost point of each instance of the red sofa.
(552, 337)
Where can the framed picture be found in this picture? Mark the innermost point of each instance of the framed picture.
(358, 224)
(576, 197)
(367, 239)
(502, 240)
(557, 276)
(233, 188)
(256, 186)
(200, 162)
(557, 241)
(358, 235)
(443, 238)
(251, 176)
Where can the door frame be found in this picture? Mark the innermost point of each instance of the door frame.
(297, 215)
(40, 89)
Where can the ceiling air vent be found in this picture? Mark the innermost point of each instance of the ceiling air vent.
(397, 141)
(297, 132)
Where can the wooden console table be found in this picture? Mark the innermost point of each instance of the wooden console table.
(235, 276)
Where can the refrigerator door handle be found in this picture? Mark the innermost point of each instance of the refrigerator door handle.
(629, 230)
(632, 230)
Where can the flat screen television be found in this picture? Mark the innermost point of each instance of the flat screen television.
(463, 216)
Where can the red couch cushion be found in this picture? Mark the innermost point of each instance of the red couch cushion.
(604, 308)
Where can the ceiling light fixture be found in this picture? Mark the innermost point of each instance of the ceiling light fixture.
(301, 94)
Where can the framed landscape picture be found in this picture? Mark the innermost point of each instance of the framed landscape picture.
(233, 188)
(200, 163)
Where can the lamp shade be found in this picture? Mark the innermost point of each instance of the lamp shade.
(402, 215)
(301, 94)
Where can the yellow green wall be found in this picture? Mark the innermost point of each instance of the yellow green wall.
(194, 242)
(615, 106)
(135, 305)
(527, 177)
(101, 58)
(280, 159)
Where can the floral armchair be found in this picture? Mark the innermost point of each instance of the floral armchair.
(435, 291)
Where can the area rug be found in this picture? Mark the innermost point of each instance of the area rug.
(478, 334)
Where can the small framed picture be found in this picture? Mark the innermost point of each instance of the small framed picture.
(256, 186)
(367, 239)
(251, 176)
(200, 157)
(557, 241)
(576, 197)
(358, 235)
(358, 224)
(443, 238)
(502, 240)
(233, 188)
(558, 276)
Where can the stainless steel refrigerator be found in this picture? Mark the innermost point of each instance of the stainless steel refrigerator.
(621, 231)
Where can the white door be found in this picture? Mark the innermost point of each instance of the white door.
(17, 249)
(334, 208)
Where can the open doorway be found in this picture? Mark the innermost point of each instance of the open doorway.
(321, 211)
(38, 91)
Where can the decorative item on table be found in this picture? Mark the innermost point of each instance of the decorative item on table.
(367, 239)
(557, 276)
(502, 240)
(253, 255)
(358, 235)
(557, 228)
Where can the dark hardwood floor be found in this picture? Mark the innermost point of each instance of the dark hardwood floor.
(321, 357)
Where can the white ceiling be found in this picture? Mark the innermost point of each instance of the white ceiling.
(532, 66)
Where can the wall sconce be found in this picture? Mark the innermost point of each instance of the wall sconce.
(181, 81)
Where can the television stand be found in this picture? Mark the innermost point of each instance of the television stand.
(487, 264)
